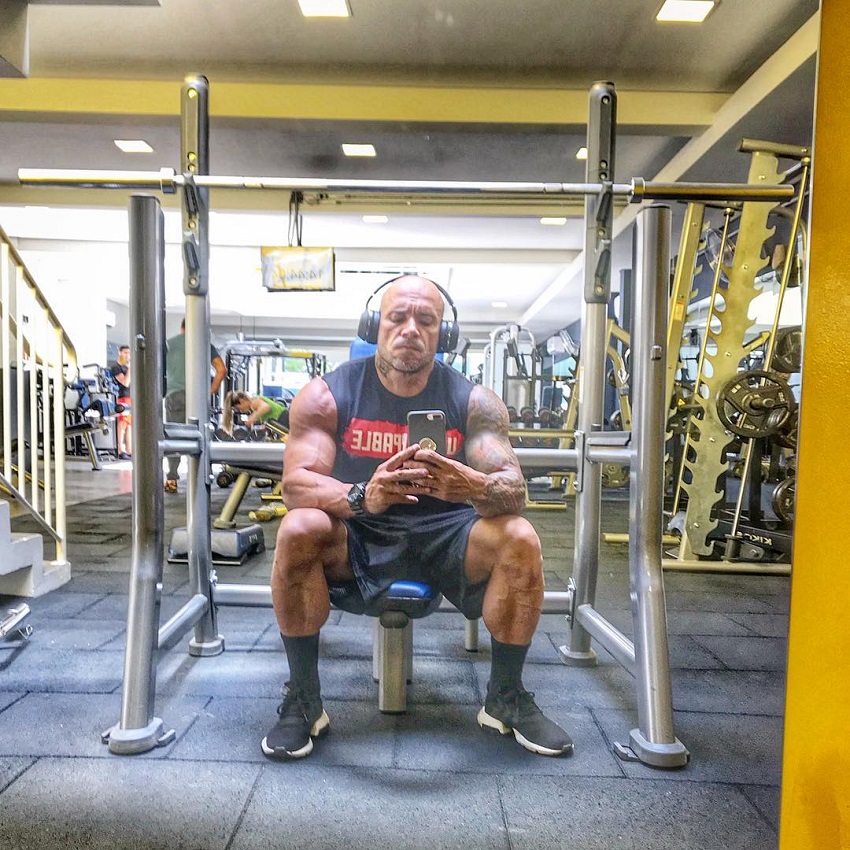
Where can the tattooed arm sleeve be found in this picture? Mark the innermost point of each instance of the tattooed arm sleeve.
(489, 450)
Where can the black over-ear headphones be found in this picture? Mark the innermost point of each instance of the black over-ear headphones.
(367, 328)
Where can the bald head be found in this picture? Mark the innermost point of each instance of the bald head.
(411, 313)
(414, 286)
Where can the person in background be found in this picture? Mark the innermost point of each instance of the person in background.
(120, 371)
(258, 409)
(175, 390)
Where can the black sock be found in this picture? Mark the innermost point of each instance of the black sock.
(303, 656)
(506, 665)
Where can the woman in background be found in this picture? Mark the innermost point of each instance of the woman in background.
(258, 408)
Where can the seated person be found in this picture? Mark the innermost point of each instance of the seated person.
(370, 516)
(258, 408)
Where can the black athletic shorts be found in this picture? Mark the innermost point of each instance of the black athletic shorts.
(418, 547)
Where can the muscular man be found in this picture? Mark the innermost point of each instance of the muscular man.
(370, 516)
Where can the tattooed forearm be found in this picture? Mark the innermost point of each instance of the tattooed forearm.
(504, 493)
(488, 450)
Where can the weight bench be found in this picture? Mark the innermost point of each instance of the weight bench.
(395, 610)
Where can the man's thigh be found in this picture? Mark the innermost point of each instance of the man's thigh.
(492, 538)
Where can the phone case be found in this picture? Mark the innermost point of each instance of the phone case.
(427, 425)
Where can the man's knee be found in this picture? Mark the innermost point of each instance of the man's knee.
(306, 537)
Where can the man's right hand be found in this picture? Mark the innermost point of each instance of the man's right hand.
(393, 483)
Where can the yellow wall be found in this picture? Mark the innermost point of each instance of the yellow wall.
(815, 812)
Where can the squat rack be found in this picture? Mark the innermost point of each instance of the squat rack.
(646, 656)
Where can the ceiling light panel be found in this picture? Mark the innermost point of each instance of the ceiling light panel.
(133, 145)
(359, 150)
(685, 11)
(325, 8)
(554, 221)
(581, 153)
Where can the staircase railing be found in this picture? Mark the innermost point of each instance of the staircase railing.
(36, 355)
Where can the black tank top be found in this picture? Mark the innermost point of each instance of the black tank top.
(372, 422)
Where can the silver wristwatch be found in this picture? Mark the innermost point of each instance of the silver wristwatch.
(357, 497)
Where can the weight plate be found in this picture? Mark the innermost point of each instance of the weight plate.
(787, 437)
(783, 498)
(788, 350)
(755, 404)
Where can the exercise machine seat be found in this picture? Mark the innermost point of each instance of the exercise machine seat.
(415, 599)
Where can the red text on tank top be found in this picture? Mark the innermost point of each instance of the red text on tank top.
(376, 438)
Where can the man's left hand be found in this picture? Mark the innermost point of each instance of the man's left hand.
(451, 481)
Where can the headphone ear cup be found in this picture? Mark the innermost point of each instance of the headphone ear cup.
(367, 328)
(449, 333)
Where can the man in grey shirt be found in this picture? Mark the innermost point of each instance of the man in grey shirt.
(175, 392)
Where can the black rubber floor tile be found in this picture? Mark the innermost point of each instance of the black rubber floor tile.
(231, 730)
(450, 739)
(304, 806)
(766, 799)
(61, 605)
(729, 691)
(438, 681)
(125, 804)
(233, 673)
(764, 625)
(71, 724)
(547, 813)
(11, 767)
(688, 600)
(748, 653)
(724, 748)
(6, 699)
(60, 633)
(96, 581)
(113, 606)
(63, 671)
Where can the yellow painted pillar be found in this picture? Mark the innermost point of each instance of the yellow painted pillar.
(815, 811)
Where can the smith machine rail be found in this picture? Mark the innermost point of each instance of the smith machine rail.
(646, 656)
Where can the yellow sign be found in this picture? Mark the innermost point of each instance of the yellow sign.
(298, 269)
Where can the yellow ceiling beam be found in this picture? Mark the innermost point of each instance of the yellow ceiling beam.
(59, 99)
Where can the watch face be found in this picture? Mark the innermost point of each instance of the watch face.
(356, 495)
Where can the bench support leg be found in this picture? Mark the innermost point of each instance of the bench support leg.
(470, 642)
(394, 640)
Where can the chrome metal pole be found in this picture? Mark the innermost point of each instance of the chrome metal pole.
(598, 220)
(194, 140)
(653, 742)
(138, 730)
(636, 191)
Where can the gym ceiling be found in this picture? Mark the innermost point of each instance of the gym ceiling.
(484, 90)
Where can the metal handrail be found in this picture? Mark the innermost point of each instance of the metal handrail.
(33, 343)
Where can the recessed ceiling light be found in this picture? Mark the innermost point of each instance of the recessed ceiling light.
(133, 146)
(554, 221)
(359, 150)
(325, 8)
(581, 153)
(375, 219)
(499, 305)
(685, 11)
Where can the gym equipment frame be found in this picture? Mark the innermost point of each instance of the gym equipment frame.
(138, 729)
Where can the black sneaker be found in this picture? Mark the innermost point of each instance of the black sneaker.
(515, 711)
(302, 718)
